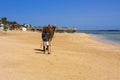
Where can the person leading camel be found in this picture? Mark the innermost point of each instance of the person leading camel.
(50, 32)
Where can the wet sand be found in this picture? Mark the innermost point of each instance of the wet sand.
(74, 57)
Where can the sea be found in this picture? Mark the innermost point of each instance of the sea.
(108, 36)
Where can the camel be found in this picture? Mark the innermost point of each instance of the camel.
(47, 32)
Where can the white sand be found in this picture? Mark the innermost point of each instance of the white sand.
(74, 57)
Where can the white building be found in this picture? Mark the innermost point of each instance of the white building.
(2, 26)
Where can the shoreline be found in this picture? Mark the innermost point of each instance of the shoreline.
(105, 36)
(104, 40)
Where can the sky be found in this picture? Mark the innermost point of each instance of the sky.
(82, 14)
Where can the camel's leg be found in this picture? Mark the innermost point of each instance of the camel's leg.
(48, 49)
(44, 49)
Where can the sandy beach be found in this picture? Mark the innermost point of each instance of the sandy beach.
(74, 56)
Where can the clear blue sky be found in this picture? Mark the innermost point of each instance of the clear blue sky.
(83, 14)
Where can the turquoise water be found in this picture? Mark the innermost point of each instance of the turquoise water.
(110, 36)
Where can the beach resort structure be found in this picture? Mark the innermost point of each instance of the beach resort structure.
(13, 25)
(26, 27)
(59, 30)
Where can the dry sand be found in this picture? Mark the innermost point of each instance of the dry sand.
(74, 57)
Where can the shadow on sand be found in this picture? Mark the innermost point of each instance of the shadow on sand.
(39, 51)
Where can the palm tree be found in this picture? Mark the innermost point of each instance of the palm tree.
(4, 21)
